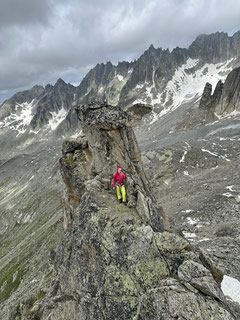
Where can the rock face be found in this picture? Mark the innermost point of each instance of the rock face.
(225, 98)
(215, 47)
(39, 108)
(104, 82)
(54, 99)
(118, 262)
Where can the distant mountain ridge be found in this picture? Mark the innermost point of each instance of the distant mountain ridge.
(225, 99)
(164, 79)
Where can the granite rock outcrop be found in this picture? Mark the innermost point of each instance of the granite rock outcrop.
(118, 262)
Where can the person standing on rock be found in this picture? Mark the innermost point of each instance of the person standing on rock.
(118, 182)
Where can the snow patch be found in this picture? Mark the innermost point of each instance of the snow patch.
(35, 132)
(20, 119)
(57, 118)
(189, 235)
(234, 113)
(231, 287)
(192, 221)
(225, 158)
(120, 77)
(228, 195)
(213, 154)
(76, 135)
(183, 157)
(230, 127)
(204, 239)
(230, 188)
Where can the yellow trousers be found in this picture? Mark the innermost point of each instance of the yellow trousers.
(121, 193)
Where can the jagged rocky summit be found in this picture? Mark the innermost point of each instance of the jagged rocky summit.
(165, 79)
(225, 98)
(118, 262)
(214, 105)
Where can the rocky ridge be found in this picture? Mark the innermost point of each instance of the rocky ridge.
(223, 102)
(118, 262)
(165, 79)
(39, 108)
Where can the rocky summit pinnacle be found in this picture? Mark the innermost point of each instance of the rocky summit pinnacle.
(225, 98)
(118, 262)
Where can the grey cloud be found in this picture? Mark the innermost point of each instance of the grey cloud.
(41, 41)
(23, 12)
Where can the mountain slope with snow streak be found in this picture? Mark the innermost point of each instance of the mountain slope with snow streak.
(185, 86)
(166, 80)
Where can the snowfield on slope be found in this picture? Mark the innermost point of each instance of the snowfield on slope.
(186, 85)
(20, 118)
(57, 118)
(231, 287)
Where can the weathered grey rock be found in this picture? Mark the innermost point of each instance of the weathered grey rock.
(225, 98)
(117, 262)
(71, 145)
(215, 47)
(52, 99)
(200, 278)
(217, 273)
(229, 100)
(205, 101)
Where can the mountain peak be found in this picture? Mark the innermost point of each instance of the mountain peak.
(151, 47)
(214, 47)
(60, 82)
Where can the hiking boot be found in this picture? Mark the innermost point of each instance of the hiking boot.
(120, 200)
(125, 203)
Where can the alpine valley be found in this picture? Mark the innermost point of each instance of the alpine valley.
(190, 147)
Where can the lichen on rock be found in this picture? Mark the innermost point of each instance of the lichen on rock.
(116, 261)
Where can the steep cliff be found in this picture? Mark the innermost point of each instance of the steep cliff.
(118, 262)
(225, 99)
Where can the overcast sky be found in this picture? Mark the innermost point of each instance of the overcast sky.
(43, 40)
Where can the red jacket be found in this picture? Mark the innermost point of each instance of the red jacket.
(119, 178)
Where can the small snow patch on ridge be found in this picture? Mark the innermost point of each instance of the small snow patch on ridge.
(231, 287)
(230, 188)
(228, 195)
(212, 153)
(120, 77)
(189, 235)
(183, 157)
(192, 221)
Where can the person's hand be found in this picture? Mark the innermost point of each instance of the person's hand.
(113, 188)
